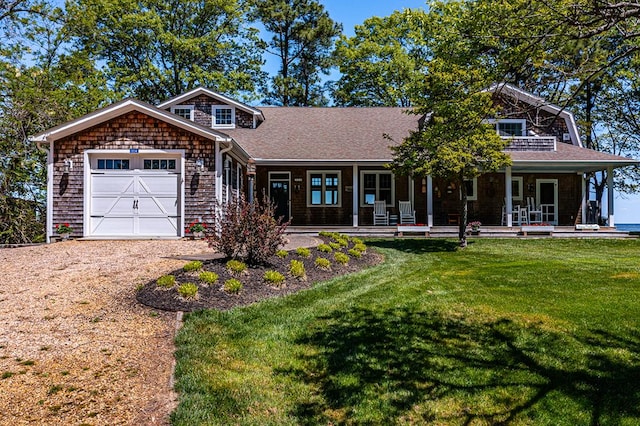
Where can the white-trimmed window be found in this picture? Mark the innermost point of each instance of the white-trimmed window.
(472, 189)
(512, 127)
(376, 185)
(184, 111)
(323, 188)
(158, 164)
(113, 164)
(516, 188)
(223, 116)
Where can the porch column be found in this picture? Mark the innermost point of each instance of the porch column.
(354, 194)
(412, 186)
(584, 199)
(429, 201)
(218, 172)
(611, 221)
(508, 195)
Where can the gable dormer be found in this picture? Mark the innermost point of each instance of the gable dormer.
(214, 110)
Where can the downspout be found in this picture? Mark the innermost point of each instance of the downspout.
(49, 209)
(220, 166)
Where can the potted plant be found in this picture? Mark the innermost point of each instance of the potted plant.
(64, 230)
(475, 227)
(197, 229)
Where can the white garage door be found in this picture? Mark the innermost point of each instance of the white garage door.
(136, 202)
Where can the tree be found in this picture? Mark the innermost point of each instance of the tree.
(157, 49)
(383, 63)
(303, 37)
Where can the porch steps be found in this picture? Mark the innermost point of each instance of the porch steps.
(452, 232)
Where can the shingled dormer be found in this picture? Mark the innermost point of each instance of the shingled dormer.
(212, 109)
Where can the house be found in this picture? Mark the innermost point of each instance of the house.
(137, 170)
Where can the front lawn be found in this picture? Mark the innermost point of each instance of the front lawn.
(506, 331)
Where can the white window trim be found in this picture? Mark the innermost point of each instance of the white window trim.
(519, 182)
(323, 172)
(223, 126)
(512, 120)
(377, 172)
(191, 108)
(473, 197)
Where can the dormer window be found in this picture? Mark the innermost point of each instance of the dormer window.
(512, 127)
(184, 111)
(223, 116)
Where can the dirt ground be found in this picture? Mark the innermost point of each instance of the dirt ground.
(75, 345)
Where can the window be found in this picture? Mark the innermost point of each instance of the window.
(184, 111)
(512, 127)
(223, 116)
(516, 188)
(376, 185)
(324, 188)
(104, 164)
(151, 164)
(472, 189)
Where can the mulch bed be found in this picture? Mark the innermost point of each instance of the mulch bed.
(254, 287)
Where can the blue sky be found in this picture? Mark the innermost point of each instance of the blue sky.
(351, 13)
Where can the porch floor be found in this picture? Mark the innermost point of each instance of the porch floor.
(452, 232)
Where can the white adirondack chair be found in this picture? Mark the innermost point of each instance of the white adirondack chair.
(534, 213)
(380, 213)
(407, 214)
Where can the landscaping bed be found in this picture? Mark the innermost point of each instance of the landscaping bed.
(254, 286)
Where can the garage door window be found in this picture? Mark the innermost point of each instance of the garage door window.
(110, 164)
(159, 164)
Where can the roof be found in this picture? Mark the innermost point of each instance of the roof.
(119, 108)
(326, 134)
(211, 93)
(567, 157)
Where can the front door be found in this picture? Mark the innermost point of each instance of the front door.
(547, 199)
(279, 193)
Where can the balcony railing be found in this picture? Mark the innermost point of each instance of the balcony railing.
(531, 143)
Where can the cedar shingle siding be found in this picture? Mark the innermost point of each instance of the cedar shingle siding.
(202, 111)
(132, 130)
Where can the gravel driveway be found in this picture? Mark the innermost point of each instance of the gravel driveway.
(75, 346)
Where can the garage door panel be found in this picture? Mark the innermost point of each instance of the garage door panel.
(112, 226)
(158, 205)
(112, 184)
(159, 185)
(163, 226)
(105, 205)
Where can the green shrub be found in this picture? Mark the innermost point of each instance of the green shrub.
(208, 277)
(327, 234)
(334, 245)
(232, 285)
(361, 247)
(236, 267)
(273, 277)
(323, 263)
(166, 281)
(356, 240)
(250, 232)
(303, 252)
(282, 253)
(195, 265)
(296, 269)
(355, 253)
(341, 258)
(325, 248)
(188, 290)
(342, 241)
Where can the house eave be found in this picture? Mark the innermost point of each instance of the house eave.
(203, 90)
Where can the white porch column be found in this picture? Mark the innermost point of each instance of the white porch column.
(584, 198)
(412, 186)
(354, 194)
(508, 195)
(610, 196)
(218, 172)
(429, 201)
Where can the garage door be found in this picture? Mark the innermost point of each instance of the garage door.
(138, 202)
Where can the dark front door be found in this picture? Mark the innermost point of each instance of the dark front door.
(279, 193)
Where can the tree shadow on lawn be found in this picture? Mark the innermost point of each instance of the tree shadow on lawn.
(416, 246)
(382, 367)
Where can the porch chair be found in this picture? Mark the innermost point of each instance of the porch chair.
(533, 213)
(407, 214)
(380, 213)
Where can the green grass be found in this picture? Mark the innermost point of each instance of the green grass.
(532, 332)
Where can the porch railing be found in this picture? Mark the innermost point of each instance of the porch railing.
(531, 143)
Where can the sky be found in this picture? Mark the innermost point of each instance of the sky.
(354, 12)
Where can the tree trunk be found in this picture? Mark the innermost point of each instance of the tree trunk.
(462, 230)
